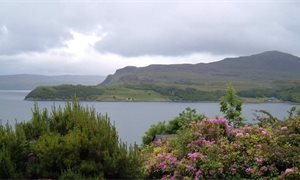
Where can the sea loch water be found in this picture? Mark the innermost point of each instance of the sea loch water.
(131, 119)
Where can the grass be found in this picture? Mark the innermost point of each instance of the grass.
(126, 94)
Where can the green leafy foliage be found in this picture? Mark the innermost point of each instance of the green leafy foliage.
(231, 106)
(172, 127)
(70, 142)
(159, 128)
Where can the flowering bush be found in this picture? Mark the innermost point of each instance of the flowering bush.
(213, 149)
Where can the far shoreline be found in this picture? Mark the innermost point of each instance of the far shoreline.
(144, 101)
(113, 101)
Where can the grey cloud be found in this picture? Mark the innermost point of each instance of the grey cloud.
(30, 27)
(34, 26)
(166, 28)
(219, 28)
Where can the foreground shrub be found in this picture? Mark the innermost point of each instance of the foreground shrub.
(74, 142)
(174, 126)
(212, 149)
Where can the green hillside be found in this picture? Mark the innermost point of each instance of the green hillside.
(64, 92)
(265, 70)
(262, 76)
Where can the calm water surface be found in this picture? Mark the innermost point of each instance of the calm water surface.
(132, 119)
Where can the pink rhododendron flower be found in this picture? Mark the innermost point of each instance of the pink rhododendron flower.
(249, 170)
(217, 121)
(198, 134)
(207, 142)
(211, 130)
(161, 165)
(233, 170)
(192, 155)
(198, 173)
(284, 128)
(264, 132)
(173, 177)
(289, 170)
(259, 146)
(239, 134)
(165, 160)
(196, 155)
(221, 121)
(191, 168)
(264, 169)
(220, 170)
(259, 159)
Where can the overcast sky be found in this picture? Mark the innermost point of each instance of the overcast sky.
(97, 37)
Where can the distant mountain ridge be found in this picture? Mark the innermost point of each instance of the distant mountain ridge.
(268, 76)
(266, 69)
(31, 81)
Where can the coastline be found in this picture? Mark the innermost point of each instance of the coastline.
(163, 101)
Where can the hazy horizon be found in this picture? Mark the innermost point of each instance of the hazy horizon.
(104, 75)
